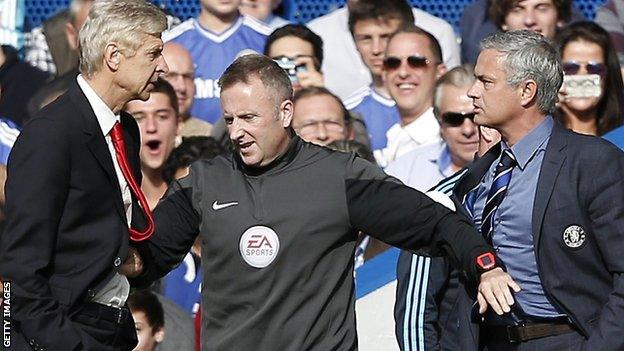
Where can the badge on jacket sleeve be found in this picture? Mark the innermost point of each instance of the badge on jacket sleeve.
(574, 236)
(259, 246)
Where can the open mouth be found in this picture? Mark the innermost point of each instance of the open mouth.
(244, 146)
(153, 145)
(406, 86)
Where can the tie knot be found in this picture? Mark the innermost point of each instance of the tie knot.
(507, 159)
(116, 133)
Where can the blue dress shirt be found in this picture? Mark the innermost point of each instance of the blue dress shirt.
(512, 234)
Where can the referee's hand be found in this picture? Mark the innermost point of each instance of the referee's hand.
(494, 290)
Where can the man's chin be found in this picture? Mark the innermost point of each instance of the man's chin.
(248, 160)
(144, 95)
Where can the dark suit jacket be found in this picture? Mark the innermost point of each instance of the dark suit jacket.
(66, 226)
(581, 183)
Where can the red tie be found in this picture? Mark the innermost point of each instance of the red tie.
(120, 149)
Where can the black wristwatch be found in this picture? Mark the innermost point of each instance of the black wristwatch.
(486, 262)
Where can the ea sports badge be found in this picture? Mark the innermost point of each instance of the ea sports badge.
(259, 246)
(574, 236)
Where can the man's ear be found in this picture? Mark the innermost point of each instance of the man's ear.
(159, 335)
(71, 33)
(286, 111)
(528, 95)
(112, 56)
(440, 70)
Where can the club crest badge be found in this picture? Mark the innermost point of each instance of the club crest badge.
(574, 236)
(259, 246)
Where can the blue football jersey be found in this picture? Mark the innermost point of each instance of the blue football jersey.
(212, 53)
(8, 133)
(183, 285)
(379, 114)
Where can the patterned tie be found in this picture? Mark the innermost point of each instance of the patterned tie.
(502, 176)
(116, 135)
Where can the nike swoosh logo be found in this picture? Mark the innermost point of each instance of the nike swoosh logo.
(217, 206)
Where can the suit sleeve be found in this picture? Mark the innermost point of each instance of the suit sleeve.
(606, 212)
(36, 190)
(406, 218)
(176, 227)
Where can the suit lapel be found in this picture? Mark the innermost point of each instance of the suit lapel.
(96, 143)
(132, 152)
(551, 166)
(132, 146)
(476, 171)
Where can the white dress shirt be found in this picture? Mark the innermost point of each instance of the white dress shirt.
(115, 292)
(402, 139)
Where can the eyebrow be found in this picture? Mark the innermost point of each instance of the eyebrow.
(155, 48)
(484, 76)
(166, 109)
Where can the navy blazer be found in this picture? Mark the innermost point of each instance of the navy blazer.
(66, 230)
(581, 184)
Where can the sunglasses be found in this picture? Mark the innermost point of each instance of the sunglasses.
(456, 119)
(572, 67)
(418, 62)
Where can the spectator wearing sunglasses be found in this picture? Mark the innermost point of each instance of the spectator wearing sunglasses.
(343, 67)
(371, 22)
(412, 64)
(430, 287)
(588, 56)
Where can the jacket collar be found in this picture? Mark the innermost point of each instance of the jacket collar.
(278, 164)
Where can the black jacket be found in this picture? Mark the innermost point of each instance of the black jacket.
(581, 183)
(66, 225)
(305, 210)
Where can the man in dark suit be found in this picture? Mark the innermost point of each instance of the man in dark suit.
(551, 202)
(72, 199)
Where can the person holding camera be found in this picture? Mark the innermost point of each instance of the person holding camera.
(592, 96)
(371, 22)
(300, 52)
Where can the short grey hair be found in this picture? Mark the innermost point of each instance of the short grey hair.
(459, 77)
(529, 56)
(75, 6)
(123, 21)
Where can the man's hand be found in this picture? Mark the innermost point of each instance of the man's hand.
(494, 291)
(133, 265)
(310, 77)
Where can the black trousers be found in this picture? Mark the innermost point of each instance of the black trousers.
(102, 328)
(106, 328)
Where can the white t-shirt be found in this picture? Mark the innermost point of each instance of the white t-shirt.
(343, 68)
